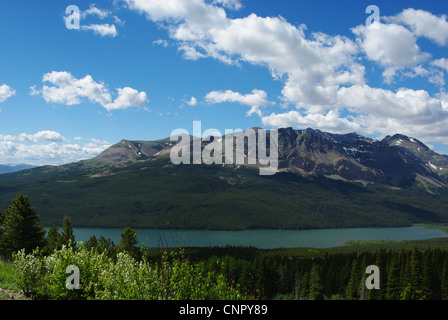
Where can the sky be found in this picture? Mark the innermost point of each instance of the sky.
(78, 76)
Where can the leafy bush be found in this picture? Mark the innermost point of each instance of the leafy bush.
(123, 278)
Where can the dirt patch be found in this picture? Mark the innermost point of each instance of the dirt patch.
(12, 295)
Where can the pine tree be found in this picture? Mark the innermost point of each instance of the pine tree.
(304, 286)
(393, 280)
(53, 240)
(416, 268)
(429, 285)
(352, 290)
(92, 243)
(129, 242)
(444, 282)
(21, 228)
(316, 289)
(67, 237)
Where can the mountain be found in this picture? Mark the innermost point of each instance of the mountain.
(396, 160)
(14, 168)
(324, 180)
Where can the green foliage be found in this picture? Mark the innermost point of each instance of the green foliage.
(7, 276)
(53, 240)
(67, 236)
(128, 243)
(124, 278)
(160, 195)
(21, 228)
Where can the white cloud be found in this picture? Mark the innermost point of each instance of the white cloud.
(425, 24)
(323, 76)
(100, 13)
(102, 29)
(331, 122)
(68, 90)
(46, 148)
(313, 69)
(255, 100)
(375, 111)
(160, 42)
(193, 101)
(128, 97)
(41, 136)
(6, 92)
(229, 4)
(392, 46)
(441, 63)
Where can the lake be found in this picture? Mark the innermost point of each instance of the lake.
(263, 239)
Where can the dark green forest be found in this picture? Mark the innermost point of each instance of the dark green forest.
(157, 194)
(409, 270)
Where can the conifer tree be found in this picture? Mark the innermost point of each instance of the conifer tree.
(393, 287)
(444, 282)
(67, 237)
(53, 240)
(21, 228)
(316, 289)
(129, 242)
(352, 290)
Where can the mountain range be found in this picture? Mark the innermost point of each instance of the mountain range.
(4, 168)
(323, 180)
(396, 160)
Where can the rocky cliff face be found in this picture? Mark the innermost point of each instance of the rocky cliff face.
(396, 160)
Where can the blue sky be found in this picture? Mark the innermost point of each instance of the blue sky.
(139, 69)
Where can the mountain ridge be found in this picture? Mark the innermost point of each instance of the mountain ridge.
(323, 181)
(396, 160)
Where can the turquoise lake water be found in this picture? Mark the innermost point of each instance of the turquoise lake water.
(263, 239)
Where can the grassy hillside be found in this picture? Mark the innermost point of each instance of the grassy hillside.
(157, 194)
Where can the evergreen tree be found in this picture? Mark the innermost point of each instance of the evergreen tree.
(21, 228)
(304, 286)
(416, 268)
(429, 284)
(393, 287)
(92, 243)
(352, 290)
(128, 243)
(108, 246)
(316, 289)
(381, 263)
(67, 237)
(444, 282)
(53, 240)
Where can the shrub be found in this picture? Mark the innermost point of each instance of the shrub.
(124, 278)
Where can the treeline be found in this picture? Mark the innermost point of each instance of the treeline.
(215, 197)
(404, 275)
(139, 272)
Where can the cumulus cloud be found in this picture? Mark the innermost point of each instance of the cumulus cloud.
(331, 121)
(312, 67)
(441, 63)
(102, 29)
(378, 112)
(6, 92)
(323, 76)
(128, 97)
(100, 13)
(425, 24)
(68, 90)
(229, 4)
(46, 148)
(254, 100)
(390, 45)
(192, 102)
